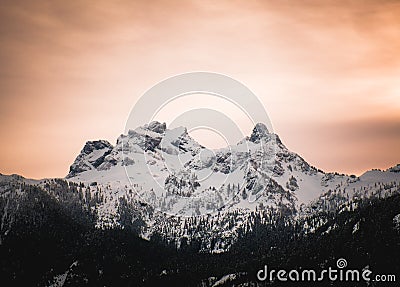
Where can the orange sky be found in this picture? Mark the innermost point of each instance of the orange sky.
(328, 73)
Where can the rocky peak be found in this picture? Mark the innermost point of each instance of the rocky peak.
(91, 156)
(259, 131)
(91, 146)
(156, 127)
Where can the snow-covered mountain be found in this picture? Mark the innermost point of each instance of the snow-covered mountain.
(163, 164)
(179, 187)
(165, 183)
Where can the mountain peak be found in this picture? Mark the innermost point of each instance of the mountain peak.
(91, 157)
(259, 131)
(156, 127)
(91, 146)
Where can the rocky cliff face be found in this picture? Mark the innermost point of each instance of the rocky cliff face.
(91, 157)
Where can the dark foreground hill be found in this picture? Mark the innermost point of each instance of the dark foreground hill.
(52, 241)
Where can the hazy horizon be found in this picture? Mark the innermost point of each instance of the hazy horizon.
(327, 72)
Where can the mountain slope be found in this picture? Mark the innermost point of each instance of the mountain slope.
(52, 242)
